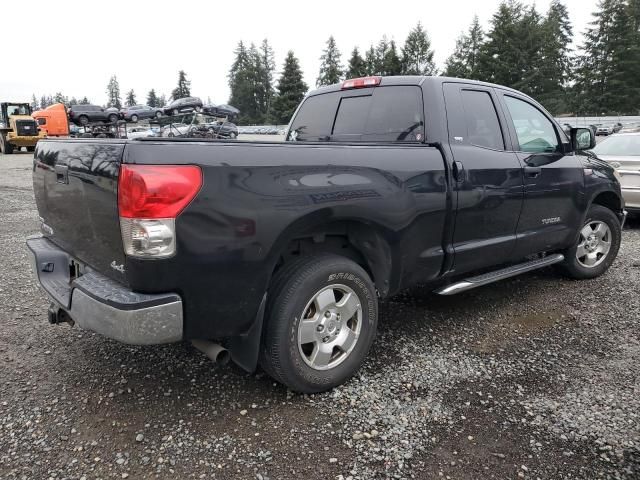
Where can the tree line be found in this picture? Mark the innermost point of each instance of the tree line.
(523, 49)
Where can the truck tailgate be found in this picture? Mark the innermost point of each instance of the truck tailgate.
(75, 184)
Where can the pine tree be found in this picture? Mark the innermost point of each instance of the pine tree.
(34, 102)
(73, 101)
(357, 66)
(131, 98)
(184, 87)
(84, 101)
(371, 62)
(291, 90)
(417, 55)
(113, 93)
(605, 75)
(391, 63)
(60, 98)
(632, 63)
(330, 66)
(463, 63)
(162, 101)
(152, 99)
(265, 69)
(556, 63)
(380, 53)
(243, 83)
(500, 59)
(43, 102)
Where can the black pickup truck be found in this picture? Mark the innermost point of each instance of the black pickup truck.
(278, 253)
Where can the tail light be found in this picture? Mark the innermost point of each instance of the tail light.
(150, 197)
(362, 82)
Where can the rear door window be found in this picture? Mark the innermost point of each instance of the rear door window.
(382, 114)
(483, 126)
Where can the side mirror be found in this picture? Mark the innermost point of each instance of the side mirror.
(582, 139)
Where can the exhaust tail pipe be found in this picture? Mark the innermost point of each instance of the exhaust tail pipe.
(214, 351)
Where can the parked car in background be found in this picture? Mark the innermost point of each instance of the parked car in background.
(223, 129)
(622, 152)
(609, 129)
(84, 114)
(183, 105)
(228, 111)
(53, 120)
(631, 128)
(140, 132)
(174, 130)
(140, 112)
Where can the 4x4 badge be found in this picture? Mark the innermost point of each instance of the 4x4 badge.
(119, 268)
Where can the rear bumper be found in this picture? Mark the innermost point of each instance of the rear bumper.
(97, 303)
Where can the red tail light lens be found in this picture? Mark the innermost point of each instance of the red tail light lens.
(156, 191)
(361, 82)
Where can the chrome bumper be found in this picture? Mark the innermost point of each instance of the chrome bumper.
(97, 303)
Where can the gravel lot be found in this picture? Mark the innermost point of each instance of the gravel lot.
(536, 377)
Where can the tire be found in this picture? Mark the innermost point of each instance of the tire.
(158, 114)
(113, 118)
(175, 112)
(134, 118)
(83, 119)
(596, 247)
(318, 288)
(233, 136)
(31, 149)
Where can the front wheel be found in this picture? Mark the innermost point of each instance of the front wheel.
(113, 118)
(320, 322)
(134, 118)
(596, 247)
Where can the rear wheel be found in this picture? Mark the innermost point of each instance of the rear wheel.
(134, 118)
(596, 247)
(158, 114)
(83, 119)
(31, 149)
(5, 146)
(113, 118)
(320, 322)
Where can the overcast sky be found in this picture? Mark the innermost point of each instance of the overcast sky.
(74, 47)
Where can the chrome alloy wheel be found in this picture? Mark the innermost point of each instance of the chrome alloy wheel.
(329, 327)
(594, 244)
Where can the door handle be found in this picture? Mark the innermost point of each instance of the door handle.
(62, 173)
(532, 172)
(458, 172)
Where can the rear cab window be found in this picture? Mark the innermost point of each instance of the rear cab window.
(380, 114)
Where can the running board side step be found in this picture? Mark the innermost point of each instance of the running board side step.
(512, 271)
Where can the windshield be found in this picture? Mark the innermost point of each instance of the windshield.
(619, 145)
(17, 109)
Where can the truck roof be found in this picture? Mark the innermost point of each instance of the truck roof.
(417, 80)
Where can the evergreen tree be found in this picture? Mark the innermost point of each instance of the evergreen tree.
(84, 101)
(43, 102)
(556, 63)
(501, 60)
(131, 98)
(605, 80)
(391, 63)
(330, 66)
(184, 87)
(60, 98)
(371, 62)
(34, 102)
(113, 93)
(73, 101)
(243, 83)
(265, 68)
(417, 55)
(463, 63)
(291, 90)
(152, 99)
(162, 101)
(357, 66)
(380, 53)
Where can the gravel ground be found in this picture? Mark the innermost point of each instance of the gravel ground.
(535, 377)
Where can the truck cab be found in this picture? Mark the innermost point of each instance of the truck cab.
(53, 120)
